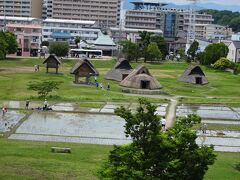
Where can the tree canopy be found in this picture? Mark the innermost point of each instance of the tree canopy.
(45, 43)
(8, 44)
(59, 48)
(3, 48)
(130, 50)
(192, 51)
(146, 39)
(154, 154)
(225, 18)
(43, 88)
(214, 52)
(153, 53)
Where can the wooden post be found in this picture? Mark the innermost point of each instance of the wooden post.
(76, 79)
(56, 70)
(47, 69)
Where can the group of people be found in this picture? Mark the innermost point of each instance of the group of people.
(45, 106)
(100, 85)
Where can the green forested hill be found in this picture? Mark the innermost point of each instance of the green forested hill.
(226, 18)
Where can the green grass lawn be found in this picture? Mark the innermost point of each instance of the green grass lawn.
(33, 160)
(223, 169)
(224, 127)
(15, 74)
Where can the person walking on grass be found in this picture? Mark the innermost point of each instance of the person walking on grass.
(108, 87)
(101, 86)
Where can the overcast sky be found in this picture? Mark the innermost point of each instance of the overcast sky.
(227, 2)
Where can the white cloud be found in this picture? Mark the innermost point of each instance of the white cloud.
(224, 2)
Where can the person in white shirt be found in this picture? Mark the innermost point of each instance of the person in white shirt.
(45, 104)
(163, 121)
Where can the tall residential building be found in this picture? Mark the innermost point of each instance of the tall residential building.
(173, 22)
(106, 13)
(21, 8)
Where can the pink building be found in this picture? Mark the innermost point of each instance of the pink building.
(28, 38)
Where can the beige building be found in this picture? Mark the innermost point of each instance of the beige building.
(173, 22)
(21, 8)
(214, 31)
(106, 13)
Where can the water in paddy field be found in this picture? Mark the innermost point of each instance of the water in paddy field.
(70, 127)
(109, 129)
(9, 120)
(209, 112)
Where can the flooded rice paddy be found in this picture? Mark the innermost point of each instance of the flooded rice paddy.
(9, 120)
(106, 128)
(72, 127)
(209, 112)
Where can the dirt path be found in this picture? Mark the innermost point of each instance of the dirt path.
(171, 113)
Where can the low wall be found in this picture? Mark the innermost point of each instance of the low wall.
(143, 91)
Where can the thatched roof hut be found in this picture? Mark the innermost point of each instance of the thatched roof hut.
(141, 78)
(120, 70)
(84, 68)
(194, 75)
(52, 62)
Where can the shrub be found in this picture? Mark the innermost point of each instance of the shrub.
(223, 63)
(59, 48)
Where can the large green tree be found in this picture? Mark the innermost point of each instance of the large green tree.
(214, 52)
(162, 45)
(192, 51)
(145, 39)
(10, 42)
(154, 154)
(59, 48)
(153, 53)
(3, 48)
(130, 50)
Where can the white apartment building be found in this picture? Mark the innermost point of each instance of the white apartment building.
(4, 20)
(68, 30)
(21, 8)
(106, 13)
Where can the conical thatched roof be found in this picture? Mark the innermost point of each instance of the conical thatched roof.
(52, 57)
(120, 70)
(141, 78)
(194, 74)
(84, 67)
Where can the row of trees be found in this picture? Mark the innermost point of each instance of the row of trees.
(151, 47)
(211, 54)
(8, 44)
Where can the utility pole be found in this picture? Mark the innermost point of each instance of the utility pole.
(191, 34)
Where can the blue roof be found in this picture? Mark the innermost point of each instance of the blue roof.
(61, 35)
